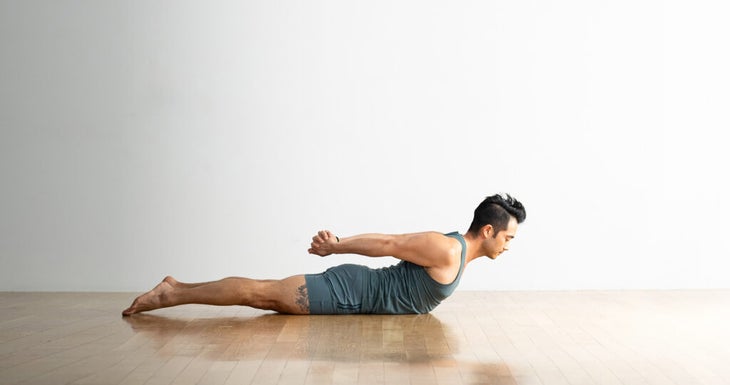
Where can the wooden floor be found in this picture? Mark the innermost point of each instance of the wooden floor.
(580, 338)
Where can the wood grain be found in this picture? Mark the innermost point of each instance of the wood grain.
(548, 338)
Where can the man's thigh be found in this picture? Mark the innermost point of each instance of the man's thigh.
(288, 295)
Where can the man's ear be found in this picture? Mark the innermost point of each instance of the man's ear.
(487, 231)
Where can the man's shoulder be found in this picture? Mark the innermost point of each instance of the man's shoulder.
(445, 244)
(431, 236)
(436, 234)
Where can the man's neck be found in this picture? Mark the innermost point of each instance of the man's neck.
(473, 247)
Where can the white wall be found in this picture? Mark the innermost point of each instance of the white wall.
(140, 139)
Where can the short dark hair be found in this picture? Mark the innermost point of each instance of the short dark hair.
(496, 210)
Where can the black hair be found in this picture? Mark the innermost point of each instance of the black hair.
(496, 210)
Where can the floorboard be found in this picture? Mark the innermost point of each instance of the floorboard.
(543, 337)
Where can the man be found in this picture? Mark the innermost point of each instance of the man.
(430, 269)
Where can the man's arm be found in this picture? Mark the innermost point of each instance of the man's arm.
(428, 249)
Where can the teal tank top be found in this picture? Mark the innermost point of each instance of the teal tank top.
(407, 287)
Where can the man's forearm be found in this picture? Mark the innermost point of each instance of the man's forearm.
(371, 245)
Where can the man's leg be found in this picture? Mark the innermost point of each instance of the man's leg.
(285, 296)
(175, 283)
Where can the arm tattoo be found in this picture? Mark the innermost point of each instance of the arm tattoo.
(303, 299)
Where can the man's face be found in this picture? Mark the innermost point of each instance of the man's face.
(499, 243)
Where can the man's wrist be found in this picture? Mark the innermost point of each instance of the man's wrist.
(336, 248)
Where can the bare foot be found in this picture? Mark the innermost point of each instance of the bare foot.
(173, 282)
(153, 299)
(182, 285)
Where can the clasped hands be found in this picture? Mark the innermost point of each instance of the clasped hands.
(323, 243)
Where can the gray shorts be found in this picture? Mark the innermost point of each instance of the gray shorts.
(339, 290)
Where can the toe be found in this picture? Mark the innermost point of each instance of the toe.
(131, 309)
